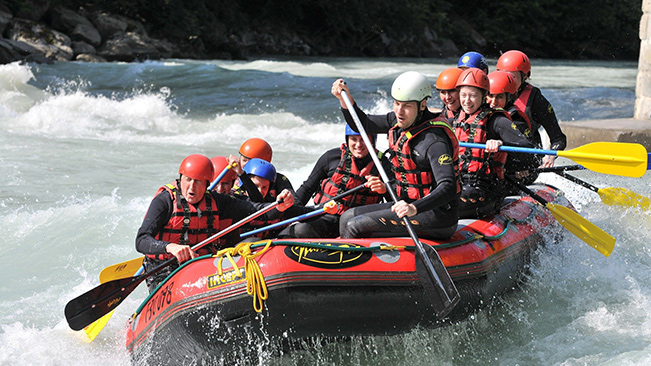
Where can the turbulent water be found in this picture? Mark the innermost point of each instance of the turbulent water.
(85, 146)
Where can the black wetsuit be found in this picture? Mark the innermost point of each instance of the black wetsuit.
(437, 215)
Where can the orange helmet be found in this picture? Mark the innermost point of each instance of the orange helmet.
(220, 163)
(502, 82)
(473, 77)
(197, 166)
(514, 61)
(447, 79)
(256, 148)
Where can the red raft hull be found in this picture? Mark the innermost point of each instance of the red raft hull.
(315, 292)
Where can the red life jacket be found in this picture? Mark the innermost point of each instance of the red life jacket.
(476, 162)
(190, 224)
(518, 116)
(523, 105)
(347, 176)
(413, 183)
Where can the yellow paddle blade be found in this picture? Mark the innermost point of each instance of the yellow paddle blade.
(92, 330)
(120, 270)
(623, 197)
(616, 158)
(583, 229)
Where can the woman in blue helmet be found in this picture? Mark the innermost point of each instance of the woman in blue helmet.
(339, 170)
(473, 59)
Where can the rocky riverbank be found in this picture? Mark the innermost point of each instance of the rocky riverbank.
(47, 33)
(60, 34)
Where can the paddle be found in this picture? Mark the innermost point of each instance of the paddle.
(92, 305)
(617, 158)
(435, 278)
(575, 223)
(612, 196)
(120, 270)
(93, 329)
(220, 176)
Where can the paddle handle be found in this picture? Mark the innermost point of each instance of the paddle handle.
(342, 195)
(220, 176)
(419, 246)
(525, 150)
(554, 169)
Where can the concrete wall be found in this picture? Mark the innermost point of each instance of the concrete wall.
(643, 87)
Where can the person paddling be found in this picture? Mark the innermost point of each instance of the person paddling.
(482, 171)
(424, 154)
(337, 171)
(184, 213)
(530, 100)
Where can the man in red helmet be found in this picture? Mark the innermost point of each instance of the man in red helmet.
(183, 213)
(260, 149)
(535, 106)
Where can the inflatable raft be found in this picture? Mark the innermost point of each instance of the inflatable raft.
(291, 290)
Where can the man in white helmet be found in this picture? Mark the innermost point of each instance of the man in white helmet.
(424, 157)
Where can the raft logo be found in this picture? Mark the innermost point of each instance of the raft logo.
(338, 257)
(217, 280)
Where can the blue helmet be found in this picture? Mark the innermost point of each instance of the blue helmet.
(351, 132)
(473, 59)
(261, 168)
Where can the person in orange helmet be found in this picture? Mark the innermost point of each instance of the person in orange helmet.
(183, 213)
(535, 106)
(446, 84)
(258, 148)
(482, 170)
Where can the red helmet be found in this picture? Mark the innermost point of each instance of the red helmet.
(256, 148)
(514, 61)
(219, 163)
(473, 77)
(502, 82)
(197, 166)
(447, 79)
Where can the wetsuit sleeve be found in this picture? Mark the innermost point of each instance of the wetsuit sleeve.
(236, 209)
(322, 170)
(438, 154)
(157, 216)
(504, 129)
(250, 188)
(373, 124)
(543, 113)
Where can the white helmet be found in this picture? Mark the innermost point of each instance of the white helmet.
(411, 86)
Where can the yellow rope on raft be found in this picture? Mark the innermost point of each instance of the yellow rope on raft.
(255, 284)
